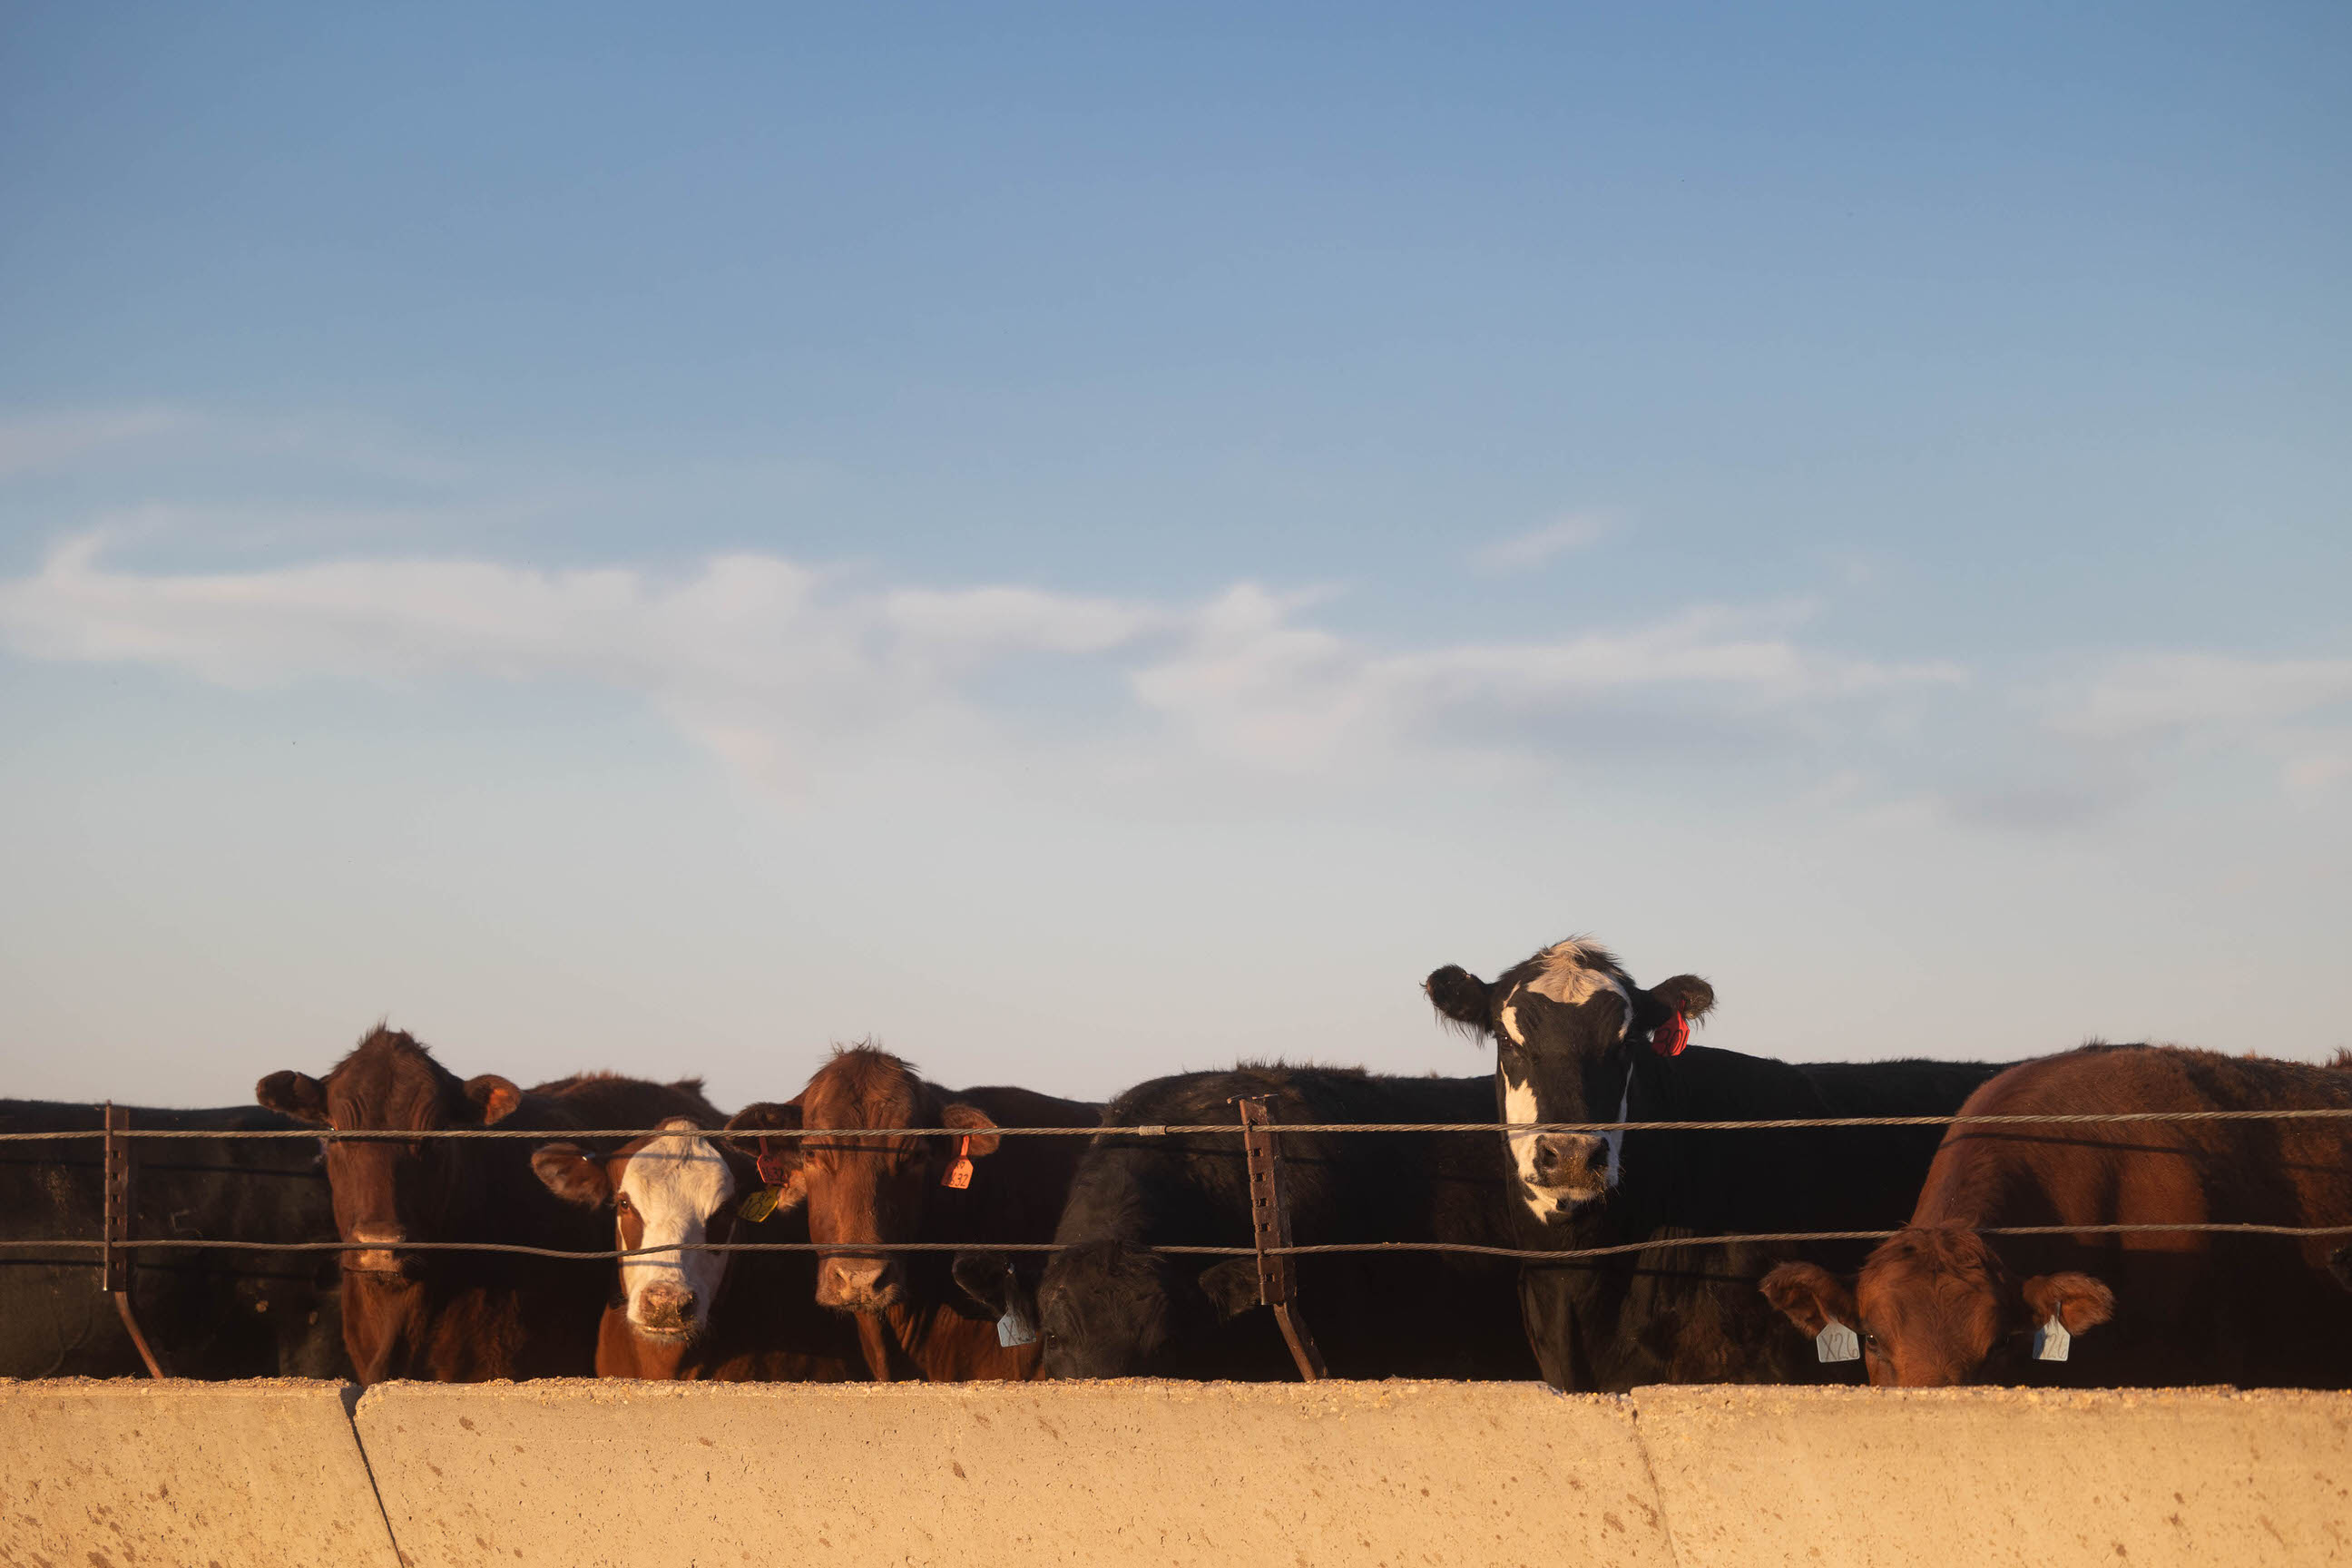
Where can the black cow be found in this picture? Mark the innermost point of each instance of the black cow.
(212, 1314)
(1111, 1309)
(1575, 1040)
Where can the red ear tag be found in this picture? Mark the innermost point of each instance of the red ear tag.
(1669, 1037)
(770, 1173)
(960, 1173)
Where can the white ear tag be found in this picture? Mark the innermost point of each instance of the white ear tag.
(2050, 1340)
(1016, 1327)
(1837, 1343)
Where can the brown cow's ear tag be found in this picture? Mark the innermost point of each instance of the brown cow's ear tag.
(2051, 1341)
(960, 1173)
(1837, 1343)
(760, 1205)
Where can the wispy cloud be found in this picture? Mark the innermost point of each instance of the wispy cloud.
(33, 443)
(1525, 552)
(767, 659)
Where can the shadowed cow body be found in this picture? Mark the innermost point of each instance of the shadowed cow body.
(461, 1317)
(1578, 1041)
(869, 1189)
(1111, 1307)
(208, 1314)
(1942, 1303)
(690, 1316)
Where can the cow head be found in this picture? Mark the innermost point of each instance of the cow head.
(1109, 1310)
(1936, 1307)
(389, 1191)
(1566, 1025)
(866, 1190)
(674, 1190)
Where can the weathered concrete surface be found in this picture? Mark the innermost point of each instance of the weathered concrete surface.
(124, 1474)
(1833, 1477)
(653, 1475)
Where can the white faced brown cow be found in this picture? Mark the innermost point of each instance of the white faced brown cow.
(668, 1192)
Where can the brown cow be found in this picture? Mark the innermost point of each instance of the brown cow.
(462, 1316)
(1941, 1303)
(701, 1316)
(913, 1317)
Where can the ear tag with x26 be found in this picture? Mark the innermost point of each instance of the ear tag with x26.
(960, 1173)
(1016, 1327)
(1837, 1343)
(2050, 1340)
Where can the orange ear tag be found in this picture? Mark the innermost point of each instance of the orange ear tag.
(960, 1173)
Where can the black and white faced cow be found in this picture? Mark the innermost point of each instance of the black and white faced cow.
(1577, 1040)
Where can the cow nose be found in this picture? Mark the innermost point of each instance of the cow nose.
(663, 1305)
(1562, 1158)
(378, 1240)
(858, 1284)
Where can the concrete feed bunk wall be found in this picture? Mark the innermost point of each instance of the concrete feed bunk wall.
(239, 1475)
(571, 1474)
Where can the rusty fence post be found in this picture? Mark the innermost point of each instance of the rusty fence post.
(113, 1257)
(1270, 1230)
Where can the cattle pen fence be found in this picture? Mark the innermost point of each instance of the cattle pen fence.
(1271, 1242)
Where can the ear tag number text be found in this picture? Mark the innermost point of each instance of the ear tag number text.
(960, 1173)
(1837, 1343)
(760, 1205)
(2050, 1340)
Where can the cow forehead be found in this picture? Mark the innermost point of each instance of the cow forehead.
(1567, 973)
(864, 1087)
(679, 1175)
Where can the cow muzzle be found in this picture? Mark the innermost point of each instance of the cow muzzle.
(379, 1258)
(664, 1310)
(858, 1284)
(1574, 1165)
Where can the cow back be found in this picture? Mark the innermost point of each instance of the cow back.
(208, 1314)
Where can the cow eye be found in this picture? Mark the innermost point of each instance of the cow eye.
(622, 1204)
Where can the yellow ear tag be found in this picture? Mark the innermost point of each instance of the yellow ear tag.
(960, 1173)
(760, 1205)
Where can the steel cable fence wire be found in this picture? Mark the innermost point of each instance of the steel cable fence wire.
(1204, 1128)
(560, 1134)
(863, 1249)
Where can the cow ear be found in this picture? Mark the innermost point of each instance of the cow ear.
(495, 1098)
(571, 1176)
(1809, 1296)
(1685, 994)
(973, 1124)
(743, 1130)
(982, 1275)
(294, 1094)
(1459, 996)
(2078, 1301)
(1231, 1286)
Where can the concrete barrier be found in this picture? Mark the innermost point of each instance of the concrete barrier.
(654, 1475)
(121, 1474)
(126, 1475)
(1832, 1476)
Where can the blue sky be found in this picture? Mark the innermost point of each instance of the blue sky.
(1085, 542)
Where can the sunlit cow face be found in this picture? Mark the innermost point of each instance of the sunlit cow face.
(1565, 1025)
(391, 1191)
(668, 1192)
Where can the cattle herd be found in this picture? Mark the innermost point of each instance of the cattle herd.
(2021, 1252)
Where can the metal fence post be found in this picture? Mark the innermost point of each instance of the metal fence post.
(114, 1257)
(1270, 1230)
